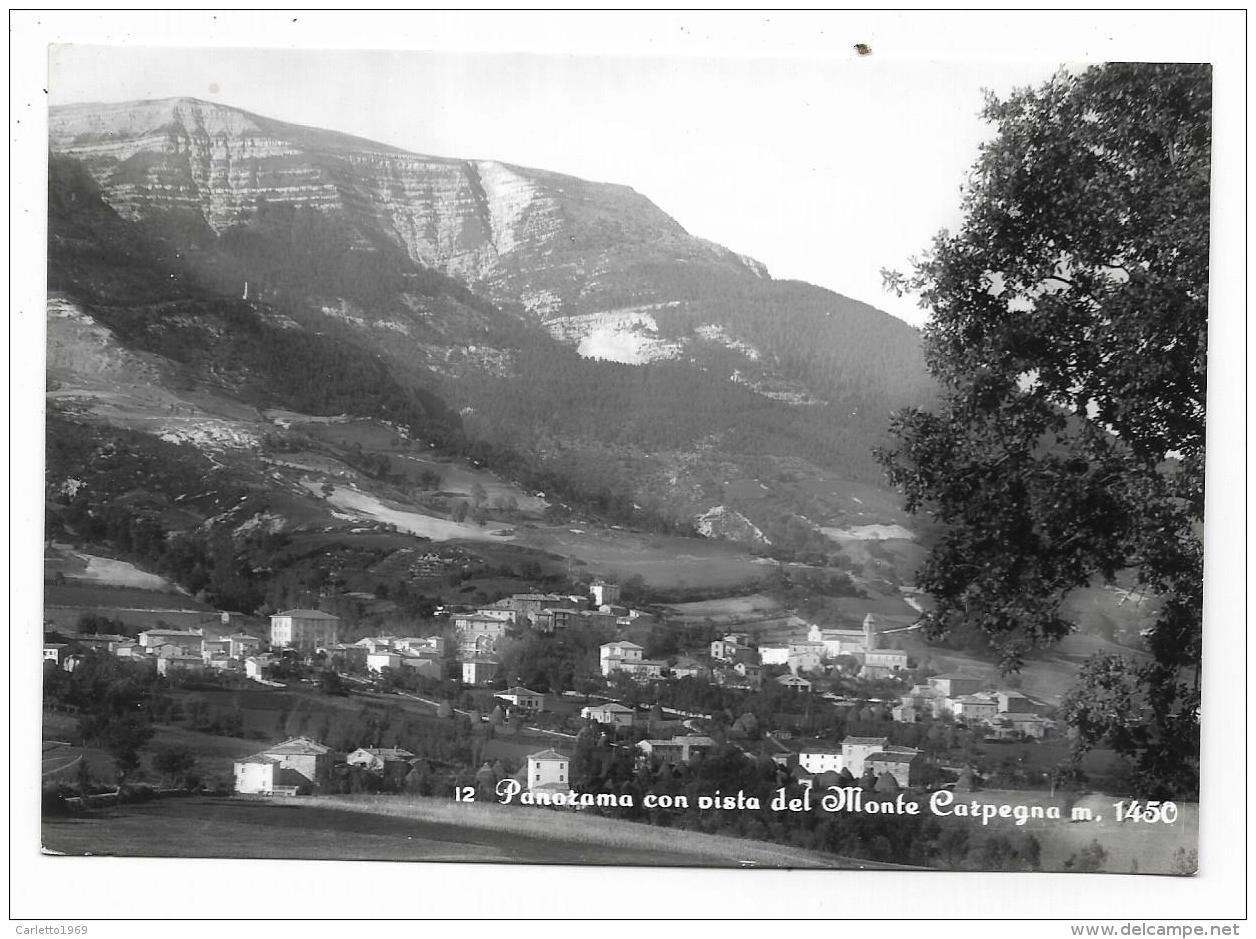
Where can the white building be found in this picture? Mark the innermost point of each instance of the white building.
(378, 661)
(604, 594)
(856, 750)
(818, 758)
(774, 655)
(617, 655)
(882, 663)
(548, 770)
(612, 713)
(304, 630)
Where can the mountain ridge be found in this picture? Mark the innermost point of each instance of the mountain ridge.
(189, 153)
(565, 333)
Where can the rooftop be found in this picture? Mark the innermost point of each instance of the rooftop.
(307, 614)
(885, 757)
(387, 753)
(548, 755)
(298, 746)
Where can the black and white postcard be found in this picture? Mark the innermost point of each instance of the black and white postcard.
(657, 461)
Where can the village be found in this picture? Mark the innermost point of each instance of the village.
(833, 705)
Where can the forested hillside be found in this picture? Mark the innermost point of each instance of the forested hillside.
(351, 295)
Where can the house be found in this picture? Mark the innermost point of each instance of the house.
(611, 713)
(1009, 702)
(816, 757)
(953, 685)
(726, 649)
(264, 775)
(804, 661)
(644, 669)
(548, 770)
(299, 763)
(243, 645)
(426, 665)
(794, 682)
(129, 650)
(521, 697)
(377, 760)
(255, 665)
(557, 618)
(604, 594)
(527, 605)
(473, 626)
(751, 672)
(378, 661)
(592, 619)
(473, 644)
(856, 750)
(905, 713)
(349, 655)
(675, 751)
(846, 640)
(882, 663)
(688, 667)
(372, 644)
(975, 707)
(1031, 725)
(304, 630)
(902, 763)
(478, 670)
(182, 642)
(616, 655)
(433, 646)
(175, 662)
(505, 614)
(774, 655)
(53, 652)
(101, 642)
(216, 649)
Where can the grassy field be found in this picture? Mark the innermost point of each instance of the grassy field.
(662, 560)
(1145, 848)
(1046, 676)
(214, 754)
(726, 608)
(396, 828)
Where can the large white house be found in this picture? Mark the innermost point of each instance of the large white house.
(617, 655)
(304, 630)
(611, 713)
(818, 758)
(548, 770)
(296, 766)
(856, 750)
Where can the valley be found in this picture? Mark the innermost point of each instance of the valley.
(543, 459)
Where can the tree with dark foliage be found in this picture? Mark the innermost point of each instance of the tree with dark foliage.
(1068, 335)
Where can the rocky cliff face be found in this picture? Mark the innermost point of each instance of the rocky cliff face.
(554, 242)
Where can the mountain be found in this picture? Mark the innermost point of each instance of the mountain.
(567, 334)
(538, 238)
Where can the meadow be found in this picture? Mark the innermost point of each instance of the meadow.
(402, 828)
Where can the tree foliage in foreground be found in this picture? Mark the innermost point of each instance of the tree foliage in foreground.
(1069, 334)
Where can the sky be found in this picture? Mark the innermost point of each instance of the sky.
(826, 170)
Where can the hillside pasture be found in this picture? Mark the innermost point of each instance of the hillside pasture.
(726, 608)
(663, 561)
(1132, 847)
(401, 829)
